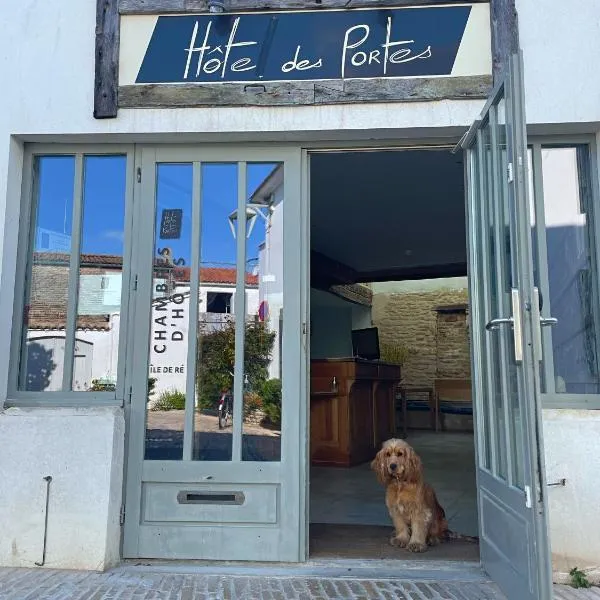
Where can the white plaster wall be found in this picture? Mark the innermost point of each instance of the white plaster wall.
(572, 452)
(82, 450)
(561, 45)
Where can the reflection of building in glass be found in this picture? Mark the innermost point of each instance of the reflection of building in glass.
(569, 255)
(52, 241)
(97, 337)
(270, 261)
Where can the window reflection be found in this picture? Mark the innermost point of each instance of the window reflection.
(572, 278)
(170, 312)
(46, 300)
(100, 274)
(98, 283)
(264, 328)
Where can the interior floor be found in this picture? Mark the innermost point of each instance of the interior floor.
(347, 507)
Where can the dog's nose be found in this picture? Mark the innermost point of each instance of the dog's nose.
(393, 466)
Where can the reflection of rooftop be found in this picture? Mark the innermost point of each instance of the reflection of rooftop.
(208, 274)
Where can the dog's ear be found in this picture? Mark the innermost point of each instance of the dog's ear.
(414, 466)
(378, 465)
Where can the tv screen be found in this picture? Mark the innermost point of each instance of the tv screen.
(365, 343)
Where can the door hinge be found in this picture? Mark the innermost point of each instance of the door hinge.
(139, 174)
(130, 394)
(528, 497)
(135, 283)
(304, 328)
(122, 515)
(509, 172)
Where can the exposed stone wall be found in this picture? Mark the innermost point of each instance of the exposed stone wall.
(439, 342)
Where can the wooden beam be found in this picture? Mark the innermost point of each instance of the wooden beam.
(505, 33)
(291, 93)
(357, 293)
(414, 273)
(106, 82)
(133, 7)
(326, 272)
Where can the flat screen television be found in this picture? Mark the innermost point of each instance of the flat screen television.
(365, 343)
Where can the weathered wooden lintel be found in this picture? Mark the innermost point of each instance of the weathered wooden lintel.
(130, 7)
(290, 93)
(505, 33)
(106, 79)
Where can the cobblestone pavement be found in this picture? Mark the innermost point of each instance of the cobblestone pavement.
(125, 584)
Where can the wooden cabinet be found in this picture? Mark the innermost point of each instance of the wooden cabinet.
(351, 409)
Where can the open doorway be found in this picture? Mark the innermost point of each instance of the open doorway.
(388, 285)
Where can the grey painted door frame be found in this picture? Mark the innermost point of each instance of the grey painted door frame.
(278, 535)
(506, 348)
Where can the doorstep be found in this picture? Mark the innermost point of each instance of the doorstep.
(158, 580)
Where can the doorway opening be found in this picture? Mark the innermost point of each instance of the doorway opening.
(390, 351)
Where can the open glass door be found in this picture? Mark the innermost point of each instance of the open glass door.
(214, 468)
(505, 329)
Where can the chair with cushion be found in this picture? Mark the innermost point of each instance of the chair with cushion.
(452, 396)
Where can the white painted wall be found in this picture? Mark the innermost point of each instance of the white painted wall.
(82, 450)
(572, 452)
(561, 45)
(271, 275)
(332, 320)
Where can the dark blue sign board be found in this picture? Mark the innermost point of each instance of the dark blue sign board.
(170, 223)
(292, 46)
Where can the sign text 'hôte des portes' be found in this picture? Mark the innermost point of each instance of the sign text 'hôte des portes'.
(402, 42)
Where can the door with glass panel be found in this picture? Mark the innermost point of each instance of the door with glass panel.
(506, 348)
(215, 455)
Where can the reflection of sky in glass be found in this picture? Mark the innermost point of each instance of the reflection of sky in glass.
(55, 204)
(103, 219)
(104, 205)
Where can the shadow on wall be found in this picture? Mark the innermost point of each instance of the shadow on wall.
(40, 366)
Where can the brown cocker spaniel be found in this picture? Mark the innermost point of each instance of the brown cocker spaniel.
(418, 518)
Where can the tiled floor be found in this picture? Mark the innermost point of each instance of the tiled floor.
(353, 496)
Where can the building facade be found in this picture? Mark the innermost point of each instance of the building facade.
(135, 161)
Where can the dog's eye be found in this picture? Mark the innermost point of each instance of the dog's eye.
(400, 453)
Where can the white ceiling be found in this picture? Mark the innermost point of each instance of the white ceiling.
(388, 213)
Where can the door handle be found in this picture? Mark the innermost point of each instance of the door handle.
(514, 321)
(496, 323)
(541, 321)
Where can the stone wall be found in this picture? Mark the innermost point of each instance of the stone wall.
(439, 341)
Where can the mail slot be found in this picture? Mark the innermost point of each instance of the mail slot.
(195, 497)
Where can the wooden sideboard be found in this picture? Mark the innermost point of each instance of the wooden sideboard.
(351, 418)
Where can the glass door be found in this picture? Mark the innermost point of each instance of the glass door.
(214, 463)
(506, 351)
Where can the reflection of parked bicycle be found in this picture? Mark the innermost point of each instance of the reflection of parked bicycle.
(225, 409)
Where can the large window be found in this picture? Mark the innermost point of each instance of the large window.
(565, 250)
(72, 305)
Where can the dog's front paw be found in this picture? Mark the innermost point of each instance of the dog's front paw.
(434, 541)
(417, 547)
(399, 541)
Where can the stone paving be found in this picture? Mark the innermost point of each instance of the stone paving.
(128, 584)
(27, 584)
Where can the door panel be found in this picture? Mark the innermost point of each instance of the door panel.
(513, 539)
(214, 247)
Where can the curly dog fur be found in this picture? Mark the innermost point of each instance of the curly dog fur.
(418, 518)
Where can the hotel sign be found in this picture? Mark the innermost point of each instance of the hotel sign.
(428, 41)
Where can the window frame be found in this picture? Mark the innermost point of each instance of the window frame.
(555, 400)
(26, 239)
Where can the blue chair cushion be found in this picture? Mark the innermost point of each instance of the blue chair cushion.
(456, 408)
(419, 405)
